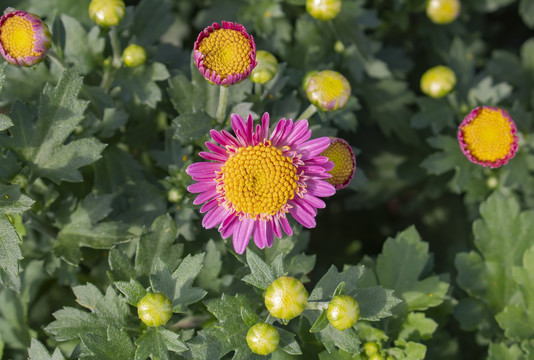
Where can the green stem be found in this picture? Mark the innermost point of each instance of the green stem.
(223, 101)
(310, 110)
(54, 57)
(115, 47)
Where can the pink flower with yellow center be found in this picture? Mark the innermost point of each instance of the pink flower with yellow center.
(225, 54)
(488, 137)
(341, 154)
(255, 178)
(24, 38)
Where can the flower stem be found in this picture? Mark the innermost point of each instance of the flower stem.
(310, 110)
(223, 101)
(115, 47)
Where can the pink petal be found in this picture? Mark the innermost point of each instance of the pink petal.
(260, 234)
(202, 187)
(216, 149)
(203, 170)
(302, 217)
(314, 147)
(285, 225)
(299, 134)
(208, 205)
(320, 188)
(228, 226)
(205, 196)
(314, 201)
(215, 217)
(211, 156)
(242, 235)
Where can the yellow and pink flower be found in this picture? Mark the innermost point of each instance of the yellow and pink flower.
(341, 154)
(24, 38)
(254, 179)
(487, 136)
(225, 54)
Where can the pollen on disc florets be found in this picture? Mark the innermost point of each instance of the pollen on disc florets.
(24, 38)
(487, 136)
(258, 180)
(341, 154)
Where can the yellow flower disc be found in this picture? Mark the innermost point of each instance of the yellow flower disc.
(18, 38)
(259, 180)
(489, 136)
(340, 153)
(226, 52)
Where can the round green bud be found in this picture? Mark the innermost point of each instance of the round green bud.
(154, 309)
(106, 13)
(492, 182)
(339, 47)
(266, 68)
(134, 55)
(438, 81)
(263, 339)
(323, 9)
(370, 348)
(286, 298)
(175, 195)
(343, 312)
(442, 11)
(328, 90)
(376, 356)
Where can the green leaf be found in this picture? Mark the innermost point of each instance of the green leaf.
(321, 323)
(12, 201)
(261, 275)
(140, 82)
(189, 127)
(502, 236)
(434, 113)
(517, 319)
(191, 97)
(209, 277)
(83, 49)
(84, 228)
(38, 351)
(156, 16)
(133, 291)
(5, 122)
(375, 302)
(96, 347)
(156, 343)
(288, 344)
(42, 144)
(177, 286)
(417, 327)
(2, 75)
(231, 331)
(158, 243)
(347, 340)
(10, 252)
(400, 267)
(486, 93)
(70, 323)
(388, 101)
(499, 351)
(526, 10)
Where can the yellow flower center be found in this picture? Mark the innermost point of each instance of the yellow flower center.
(332, 88)
(259, 180)
(17, 37)
(488, 136)
(341, 156)
(226, 52)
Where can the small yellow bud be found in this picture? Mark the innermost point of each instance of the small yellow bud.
(134, 55)
(154, 309)
(106, 13)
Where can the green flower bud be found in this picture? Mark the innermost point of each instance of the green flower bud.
(154, 309)
(175, 195)
(376, 356)
(438, 81)
(343, 312)
(370, 348)
(134, 55)
(286, 298)
(263, 339)
(442, 11)
(266, 68)
(106, 13)
(323, 9)
(328, 90)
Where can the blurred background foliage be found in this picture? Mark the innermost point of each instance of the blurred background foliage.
(410, 170)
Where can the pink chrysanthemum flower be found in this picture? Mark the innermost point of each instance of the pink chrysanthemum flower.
(341, 154)
(24, 38)
(225, 54)
(256, 178)
(488, 137)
